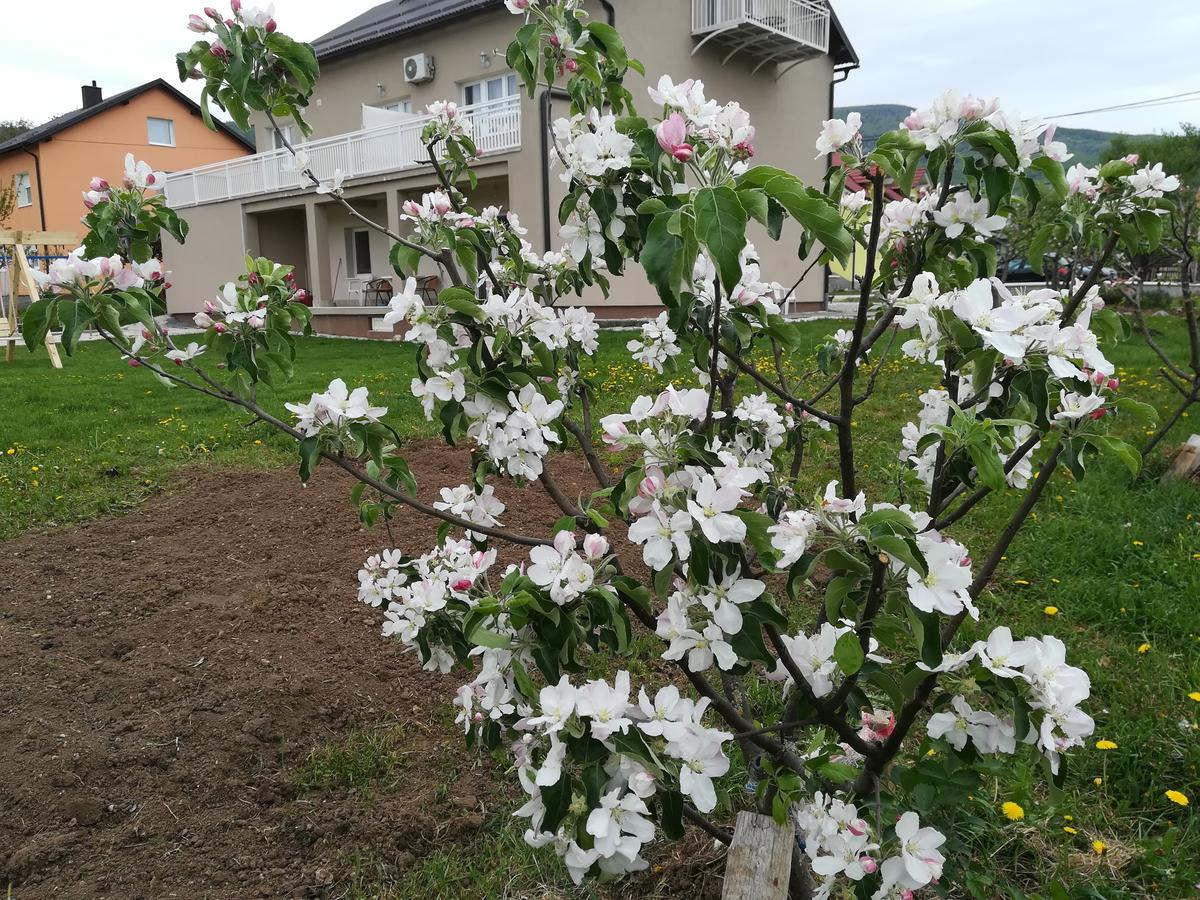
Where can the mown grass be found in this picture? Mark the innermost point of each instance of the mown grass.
(1119, 558)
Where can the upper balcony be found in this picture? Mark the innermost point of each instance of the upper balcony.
(768, 31)
(495, 128)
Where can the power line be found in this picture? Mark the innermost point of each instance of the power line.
(1153, 101)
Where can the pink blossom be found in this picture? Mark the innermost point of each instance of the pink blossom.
(595, 546)
(98, 184)
(197, 24)
(672, 137)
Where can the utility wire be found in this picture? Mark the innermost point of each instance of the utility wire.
(1190, 95)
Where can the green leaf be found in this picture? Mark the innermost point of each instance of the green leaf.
(837, 772)
(988, 466)
(660, 255)
(75, 318)
(812, 209)
(898, 548)
(1118, 448)
(671, 814)
(462, 301)
(848, 653)
(36, 322)
(310, 455)
(1053, 171)
(721, 227)
(1143, 412)
(754, 202)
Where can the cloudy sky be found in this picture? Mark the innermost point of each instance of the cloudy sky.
(1083, 55)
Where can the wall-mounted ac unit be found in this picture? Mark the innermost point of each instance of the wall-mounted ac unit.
(419, 68)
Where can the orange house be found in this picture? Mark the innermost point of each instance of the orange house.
(53, 163)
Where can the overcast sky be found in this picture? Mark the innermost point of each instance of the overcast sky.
(1042, 57)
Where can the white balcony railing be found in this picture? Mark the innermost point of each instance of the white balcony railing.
(784, 28)
(495, 128)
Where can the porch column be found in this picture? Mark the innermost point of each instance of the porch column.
(393, 224)
(317, 245)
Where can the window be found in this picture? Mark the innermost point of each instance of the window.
(490, 89)
(161, 132)
(282, 133)
(24, 189)
(360, 247)
(400, 106)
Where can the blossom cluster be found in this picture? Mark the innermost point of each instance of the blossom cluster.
(76, 273)
(695, 123)
(335, 408)
(620, 825)
(1055, 690)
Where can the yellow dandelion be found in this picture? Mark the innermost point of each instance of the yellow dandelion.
(1012, 811)
(1106, 745)
(1051, 610)
(1143, 648)
(1194, 695)
(258, 443)
(1178, 797)
(33, 468)
(1069, 830)
(1097, 781)
(12, 450)
(1020, 581)
(1139, 543)
(1068, 818)
(1098, 847)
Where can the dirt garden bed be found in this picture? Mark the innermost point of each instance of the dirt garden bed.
(165, 675)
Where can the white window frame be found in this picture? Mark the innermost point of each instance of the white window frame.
(170, 132)
(24, 189)
(400, 106)
(510, 88)
(353, 266)
(278, 134)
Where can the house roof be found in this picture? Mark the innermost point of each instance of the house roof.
(391, 20)
(395, 18)
(49, 129)
(857, 180)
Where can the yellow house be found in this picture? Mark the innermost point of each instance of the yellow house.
(50, 165)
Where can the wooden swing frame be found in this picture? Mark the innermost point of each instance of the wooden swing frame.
(21, 272)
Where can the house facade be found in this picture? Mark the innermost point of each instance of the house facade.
(52, 164)
(778, 58)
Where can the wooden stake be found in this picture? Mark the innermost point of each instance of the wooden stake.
(19, 271)
(1187, 461)
(759, 863)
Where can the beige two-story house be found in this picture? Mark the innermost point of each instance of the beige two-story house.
(778, 58)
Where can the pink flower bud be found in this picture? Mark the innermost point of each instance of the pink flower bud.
(477, 718)
(463, 584)
(442, 205)
(98, 184)
(1114, 383)
(571, 66)
(906, 894)
(789, 407)
(236, 6)
(744, 150)
(595, 546)
(521, 4)
(212, 14)
(134, 362)
(147, 334)
(197, 24)
(218, 50)
(271, 26)
(554, 41)
(1099, 413)
(1133, 159)
(868, 865)
(219, 328)
(412, 207)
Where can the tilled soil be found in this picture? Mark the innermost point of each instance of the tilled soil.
(163, 675)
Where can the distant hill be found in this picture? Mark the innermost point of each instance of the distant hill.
(1085, 143)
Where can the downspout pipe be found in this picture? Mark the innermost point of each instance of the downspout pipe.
(545, 110)
(844, 73)
(37, 170)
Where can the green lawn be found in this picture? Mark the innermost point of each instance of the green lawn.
(1119, 559)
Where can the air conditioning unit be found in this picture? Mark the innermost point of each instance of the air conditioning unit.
(419, 68)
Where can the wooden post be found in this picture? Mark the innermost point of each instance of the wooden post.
(1187, 461)
(759, 863)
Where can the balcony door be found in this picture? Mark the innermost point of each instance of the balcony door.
(496, 126)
